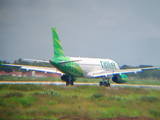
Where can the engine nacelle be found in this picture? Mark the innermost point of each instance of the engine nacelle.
(120, 78)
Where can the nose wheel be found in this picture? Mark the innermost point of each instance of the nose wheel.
(105, 83)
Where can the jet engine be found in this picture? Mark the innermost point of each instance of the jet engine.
(120, 78)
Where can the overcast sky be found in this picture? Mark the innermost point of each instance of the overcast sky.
(127, 31)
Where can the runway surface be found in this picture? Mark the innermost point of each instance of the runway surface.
(79, 83)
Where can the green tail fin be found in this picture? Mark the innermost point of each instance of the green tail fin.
(58, 51)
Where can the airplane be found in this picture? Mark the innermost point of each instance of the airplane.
(72, 67)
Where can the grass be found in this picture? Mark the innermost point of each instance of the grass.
(33, 101)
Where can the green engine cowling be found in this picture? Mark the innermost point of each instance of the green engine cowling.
(120, 78)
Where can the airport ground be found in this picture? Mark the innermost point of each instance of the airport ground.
(147, 81)
(30, 101)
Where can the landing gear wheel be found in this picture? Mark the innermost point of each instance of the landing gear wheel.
(68, 79)
(100, 83)
(105, 83)
(71, 82)
(67, 83)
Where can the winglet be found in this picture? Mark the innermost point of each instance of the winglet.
(58, 51)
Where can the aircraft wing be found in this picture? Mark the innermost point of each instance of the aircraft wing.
(36, 60)
(36, 68)
(105, 73)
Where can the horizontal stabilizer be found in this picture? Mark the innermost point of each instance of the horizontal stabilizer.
(69, 61)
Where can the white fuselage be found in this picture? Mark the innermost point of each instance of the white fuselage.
(95, 64)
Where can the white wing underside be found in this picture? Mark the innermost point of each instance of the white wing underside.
(36, 68)
(105, 73)
(36, 60)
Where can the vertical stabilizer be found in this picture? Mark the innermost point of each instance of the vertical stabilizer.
(58, 51)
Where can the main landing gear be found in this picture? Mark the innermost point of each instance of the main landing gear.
(105, 83)
(68, 79)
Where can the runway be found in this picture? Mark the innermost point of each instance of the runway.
(79, 83)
